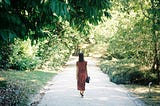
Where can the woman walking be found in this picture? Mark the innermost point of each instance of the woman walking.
(81, 74)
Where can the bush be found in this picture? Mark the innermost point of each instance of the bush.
(126, 76)
(12, 95)
(5, 53)
(135, 76)
(25, 63)
(23, 56)
(3, 84)
(117, 56)
(121, 74)
(149, 77)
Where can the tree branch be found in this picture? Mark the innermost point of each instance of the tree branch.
(143, 11)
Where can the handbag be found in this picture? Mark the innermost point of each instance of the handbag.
(87, 79)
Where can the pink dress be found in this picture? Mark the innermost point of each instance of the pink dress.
(82, 75)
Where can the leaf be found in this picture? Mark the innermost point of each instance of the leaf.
(61, 12)
(53, 6)
(11, 36)
(7, 35)
(7, 2)
(3, 34)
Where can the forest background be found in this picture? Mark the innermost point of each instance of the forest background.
(43, 34)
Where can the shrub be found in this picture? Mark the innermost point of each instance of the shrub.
(12, 95)
(118, 56)
(26, 63)
(149, 77)
(3, 83)
(135, 76)
(23, 56)
(122, 75)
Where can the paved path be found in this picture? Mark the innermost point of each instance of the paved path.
(99, 92)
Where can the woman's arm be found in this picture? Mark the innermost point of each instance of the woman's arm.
(86, 69)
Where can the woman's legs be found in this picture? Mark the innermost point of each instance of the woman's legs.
(82, 93)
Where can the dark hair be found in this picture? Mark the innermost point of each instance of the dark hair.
(81, 57)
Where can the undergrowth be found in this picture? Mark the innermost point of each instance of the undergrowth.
(123, 71)
(16, 87)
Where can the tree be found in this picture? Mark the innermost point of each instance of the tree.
(88, 11)
(26, 18)
(147, 29)
(155, 18)
(151, 12)
(31, 18)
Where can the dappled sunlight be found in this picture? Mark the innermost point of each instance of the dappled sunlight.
(33, 80)
(157, 89)
(47, 71)
(144, 68)
(97, 50)
(130, 65)
(2, 78)
(141, 90)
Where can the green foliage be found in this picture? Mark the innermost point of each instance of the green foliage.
(122, 73)
(50, 52)
(43, 20)
(88, 11)
(23, 56)
(56, 50)
(5, 53)
(21, 86)
(25, 63)
(60, 8)
(131, 42)
(137, 34)
(26, 18)
(132, 39)
(11, 92)
(3, 84)
(150, 99)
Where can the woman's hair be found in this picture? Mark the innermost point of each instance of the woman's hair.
(81, 57)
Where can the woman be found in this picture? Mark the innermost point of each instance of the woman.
(81, 74)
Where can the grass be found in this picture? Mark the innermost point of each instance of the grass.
(142, 92)
(28, 82)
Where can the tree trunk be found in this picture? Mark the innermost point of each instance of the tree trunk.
(155, 66)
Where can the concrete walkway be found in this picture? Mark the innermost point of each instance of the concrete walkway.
(99, 92)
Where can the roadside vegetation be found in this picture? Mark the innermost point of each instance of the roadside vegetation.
(135, 78)
(142, 92)
(18, 87)
(41, 35)
(38, 37)
(132, 53)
